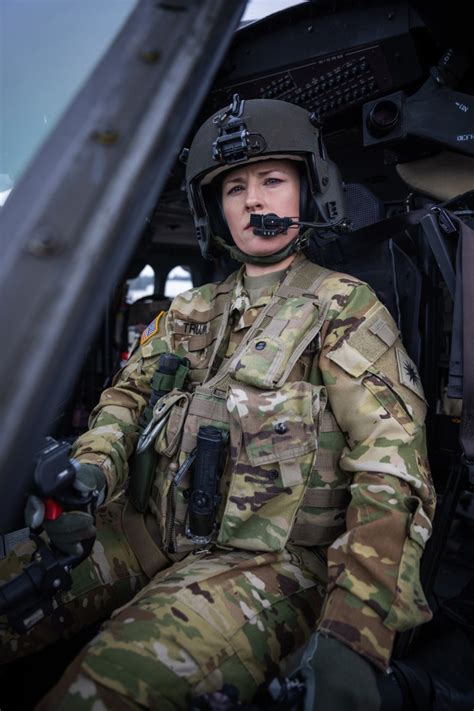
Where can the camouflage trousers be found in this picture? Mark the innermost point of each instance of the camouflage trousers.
(217, 617)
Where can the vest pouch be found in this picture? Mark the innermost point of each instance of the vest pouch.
(321, 517)
(174, 406)
(274, 439)
(143, 465)
(173, 481)
(269, 357)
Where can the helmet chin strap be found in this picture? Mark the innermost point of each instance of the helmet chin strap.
(296, 245)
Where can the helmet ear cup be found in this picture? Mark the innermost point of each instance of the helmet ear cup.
(212, 196)
(308, 209)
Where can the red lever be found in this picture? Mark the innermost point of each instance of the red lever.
(52, 510)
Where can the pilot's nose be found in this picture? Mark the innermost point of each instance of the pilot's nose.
(253, 200)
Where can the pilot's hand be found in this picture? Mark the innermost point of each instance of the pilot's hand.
(344, 679)
(72, 527)
(91, 478)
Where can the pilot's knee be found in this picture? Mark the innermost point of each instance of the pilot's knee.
(15, 560)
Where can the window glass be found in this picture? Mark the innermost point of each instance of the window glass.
(143, 303)
(256, 9)
(47, 50)
(179, 279)
(142, 285)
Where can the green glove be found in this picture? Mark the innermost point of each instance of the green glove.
(89, 477)
(69, 530)
(344, 681)
(72, 527)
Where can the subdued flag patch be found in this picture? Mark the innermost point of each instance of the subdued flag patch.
(151, 329)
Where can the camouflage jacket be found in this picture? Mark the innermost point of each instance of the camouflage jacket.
(325, 412)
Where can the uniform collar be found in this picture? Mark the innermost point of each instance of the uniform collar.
(241, 310)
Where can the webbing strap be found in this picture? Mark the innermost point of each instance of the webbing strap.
(326, 459)
(467, 419)
(209, 409)
(146, 549)
(326, 498)
(222, 336)
(316, 535)
(455, 356)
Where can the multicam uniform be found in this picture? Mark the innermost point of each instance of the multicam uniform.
(326, 495)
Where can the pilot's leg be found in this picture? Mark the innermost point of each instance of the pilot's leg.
(223, 618)
(107, 579)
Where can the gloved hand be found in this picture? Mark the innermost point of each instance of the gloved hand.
(344, 681)
(72, 526)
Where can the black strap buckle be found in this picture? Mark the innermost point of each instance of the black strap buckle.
(445, 221)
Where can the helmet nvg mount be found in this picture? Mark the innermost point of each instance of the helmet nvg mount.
(249, 131)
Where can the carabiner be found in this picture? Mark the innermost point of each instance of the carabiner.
(151, 431)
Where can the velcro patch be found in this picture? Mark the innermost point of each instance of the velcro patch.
(380, 328)
(290, 473)
(408, 373)
(151, 329)
(367, 342)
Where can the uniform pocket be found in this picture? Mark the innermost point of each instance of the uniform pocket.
(386, 395)
(274, 438)
(267, 359)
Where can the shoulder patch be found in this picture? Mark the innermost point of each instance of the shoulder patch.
(151, 329)
(408, 373)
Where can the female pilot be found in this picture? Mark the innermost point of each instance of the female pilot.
(319, 503)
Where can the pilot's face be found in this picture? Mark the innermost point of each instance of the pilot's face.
(263, 187)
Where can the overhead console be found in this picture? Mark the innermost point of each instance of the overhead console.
(379, 68)
(325, 61)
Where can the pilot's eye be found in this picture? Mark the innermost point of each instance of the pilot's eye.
(273, 181)
(234, 190)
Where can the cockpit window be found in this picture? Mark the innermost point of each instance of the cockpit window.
(47, 48)
(179, 279)
(42, 70)
(142, 285)
(256, 9)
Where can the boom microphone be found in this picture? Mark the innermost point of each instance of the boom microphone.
(271, 225)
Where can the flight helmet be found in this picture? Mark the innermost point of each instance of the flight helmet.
(250, 131)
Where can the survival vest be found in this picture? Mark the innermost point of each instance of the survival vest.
(281, 482)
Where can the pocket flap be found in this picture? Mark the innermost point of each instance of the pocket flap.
(174, 405)
(277, 425)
